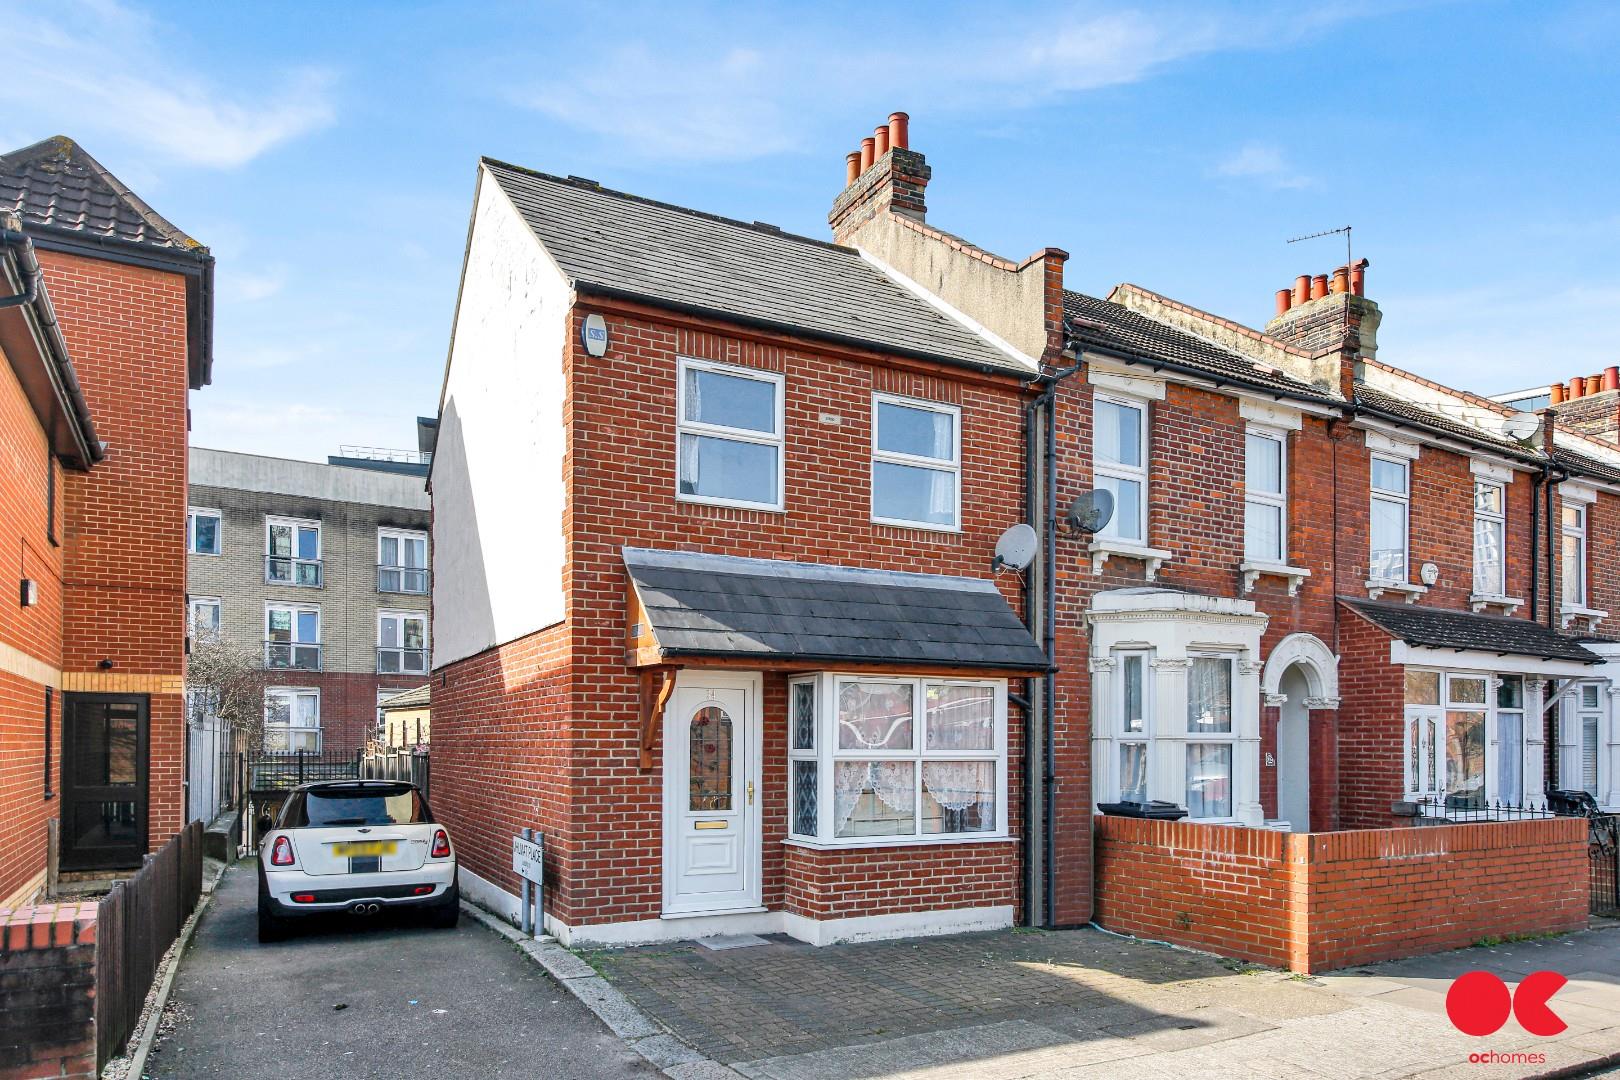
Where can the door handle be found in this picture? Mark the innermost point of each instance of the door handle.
(750, 793)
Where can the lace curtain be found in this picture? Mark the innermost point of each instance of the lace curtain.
(891, 783)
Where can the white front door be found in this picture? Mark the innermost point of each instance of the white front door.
(711, 776)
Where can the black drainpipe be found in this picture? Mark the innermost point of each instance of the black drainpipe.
(1537, 482)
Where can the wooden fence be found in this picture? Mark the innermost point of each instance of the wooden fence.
(411, 765)
(136, 924)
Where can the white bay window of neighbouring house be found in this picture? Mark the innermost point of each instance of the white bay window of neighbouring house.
(886, 760)
(1209, 721)
(916, 463)
(729, 424)
(1120, 464)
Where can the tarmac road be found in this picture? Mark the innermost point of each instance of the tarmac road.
(384, 998)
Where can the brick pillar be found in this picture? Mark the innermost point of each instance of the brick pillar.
(47, 992)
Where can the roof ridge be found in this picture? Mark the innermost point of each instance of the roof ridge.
(583, 184)
(1468, 395)
(70, 149)
(1221, 320)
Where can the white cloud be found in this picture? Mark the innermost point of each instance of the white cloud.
(1262, 163)
(249, 285)
(97, 66)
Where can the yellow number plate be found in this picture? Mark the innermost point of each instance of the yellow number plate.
(365, 847)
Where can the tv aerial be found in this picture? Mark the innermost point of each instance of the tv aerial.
(1091, 511)
(1016, 548)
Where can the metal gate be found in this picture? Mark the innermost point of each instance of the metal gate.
(1603, 864)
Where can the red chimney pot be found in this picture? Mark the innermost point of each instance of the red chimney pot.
(1318, 286)
(867, 155)
(1285, 300)
(852, 167)
(1577, 388)
(1611, 378)
(1594, 384)
(880, 140)
(1358, 278)
(1341, 280)
(899, 131)
(1557, 394)
(1302, 289)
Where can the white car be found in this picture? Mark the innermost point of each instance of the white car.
(360, 846)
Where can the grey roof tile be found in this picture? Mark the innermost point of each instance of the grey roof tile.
(1398, 408)
(700, 604)
(1438, 628)
(56, 184)
(627, 244)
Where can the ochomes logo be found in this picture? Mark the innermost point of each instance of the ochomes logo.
(1479, 1003)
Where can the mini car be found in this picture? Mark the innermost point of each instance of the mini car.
(356, 846)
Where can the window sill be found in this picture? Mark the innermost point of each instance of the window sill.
(920, 526)
(732, 504)
(1480, 601)
(1375, 589)
(1254, 570)
(1568, 613)
(858, 843)
(1102, 549)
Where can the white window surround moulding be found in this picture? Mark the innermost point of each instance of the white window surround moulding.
(1120, 380)
(1397, 434)
(1270, 415)
(1490, 470)
(1584, 494)
(1253, 570)
(1410, 592)
(1382, 443)
(1103, 548)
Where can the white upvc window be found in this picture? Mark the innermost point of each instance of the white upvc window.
(204, 532)
(1581, 741)
(1467, 703)
(916, 463)
(292, 636)
(204, 615)
(729, 424)
(1509, 741)
(1265, 520)
(292, 552)
(1211, 744)
(402, 643)
(1450, 728)
(1573, 568)
(292, 719)
(1490, 533)
(1120, 463)
(892, 759)
(1388, 518)
(402, 561)
(1132, 708)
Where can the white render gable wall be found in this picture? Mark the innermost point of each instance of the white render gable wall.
(497, 468)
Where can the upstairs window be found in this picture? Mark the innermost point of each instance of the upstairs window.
(292, 552)
(1265, 521)
(1574, 555)
(401, 643)
(916, 463)
(292, 637)
(203, 532)
(729, 435)
(292, 719)
(1120, 464)
(402, 561)
(1490, 524)
(204, 615)
(1391, 503)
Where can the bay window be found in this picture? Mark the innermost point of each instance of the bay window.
(916, 463)
(1388, 516)
(1209, 723)
(1465, 741)
(1581, 735)
(1490, 524)
(1265, 511)
(896, 759)
(1133, 732)
(729, 435)
(1119, 457)
(1510, 740)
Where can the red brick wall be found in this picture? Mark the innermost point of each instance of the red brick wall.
(35, 631)
(1372, 726)
(885, 881)
(1320, 901)
(124, 526)
(47, 992)
(348, 703)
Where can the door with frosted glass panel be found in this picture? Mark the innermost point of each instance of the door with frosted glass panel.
(104, 781)
(709, 778)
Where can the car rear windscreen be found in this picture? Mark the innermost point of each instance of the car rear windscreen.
(323, 808)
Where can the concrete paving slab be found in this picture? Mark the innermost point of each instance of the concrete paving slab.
(731, 941)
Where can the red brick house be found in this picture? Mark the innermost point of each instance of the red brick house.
(715, 508)
(92, 662)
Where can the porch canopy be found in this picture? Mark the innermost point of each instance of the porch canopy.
(1426, 635)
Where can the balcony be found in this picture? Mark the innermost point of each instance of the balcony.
(287, 570)
(394, 661)
(292, 656)
(412, 580)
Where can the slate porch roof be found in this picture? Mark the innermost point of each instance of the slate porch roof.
(720, 605)
(417, 697)
(619, 244)
(1437, 628)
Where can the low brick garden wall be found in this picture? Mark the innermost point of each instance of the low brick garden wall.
(47, 991)
(1319, 901)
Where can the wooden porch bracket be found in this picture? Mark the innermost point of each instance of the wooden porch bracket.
(657, 684)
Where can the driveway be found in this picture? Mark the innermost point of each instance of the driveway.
(392, 1000)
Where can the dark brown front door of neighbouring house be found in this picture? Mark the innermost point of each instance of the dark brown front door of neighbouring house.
(104, 792)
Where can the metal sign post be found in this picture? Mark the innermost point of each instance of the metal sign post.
(528, 862)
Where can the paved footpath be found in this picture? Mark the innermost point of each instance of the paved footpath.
(387, 1000)
(1082, 1004)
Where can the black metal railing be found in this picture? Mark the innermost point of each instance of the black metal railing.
(287, 570)
(412, 580)
(284, 771)
(1467, 809)
(292, 655)
(401, 661)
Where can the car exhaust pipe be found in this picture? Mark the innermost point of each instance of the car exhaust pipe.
(365, 909)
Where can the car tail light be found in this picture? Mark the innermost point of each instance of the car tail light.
(303, 897)
(421, 890)
(281, 852)
(441, 845)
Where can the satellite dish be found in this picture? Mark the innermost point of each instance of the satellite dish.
(1016, 548)
(1521, 425)
(1091, 510)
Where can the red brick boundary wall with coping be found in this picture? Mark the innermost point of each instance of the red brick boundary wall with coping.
(1319, 901)
(48, 991)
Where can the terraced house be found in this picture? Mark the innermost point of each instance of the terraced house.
(1331, 601)
(105, 322)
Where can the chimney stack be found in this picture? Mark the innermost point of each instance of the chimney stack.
(886, 175)
(1322, 311)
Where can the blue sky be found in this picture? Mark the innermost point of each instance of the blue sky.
(326, 153)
